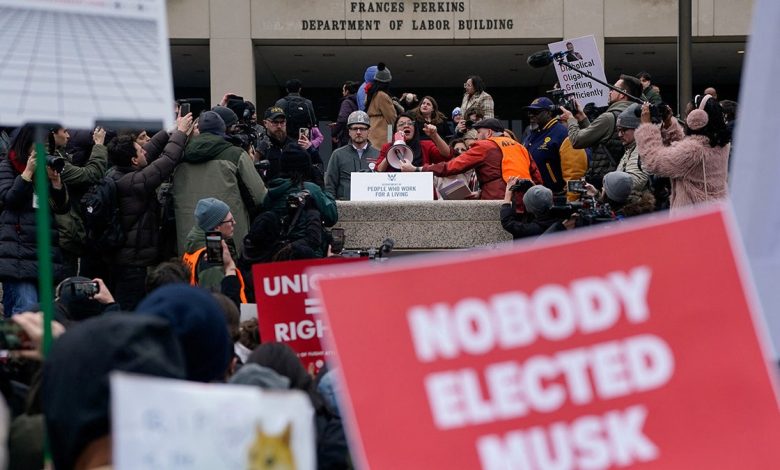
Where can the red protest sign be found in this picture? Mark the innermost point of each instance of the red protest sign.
(627, 346)
(286, 312)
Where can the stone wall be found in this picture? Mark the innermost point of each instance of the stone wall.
(426, 226)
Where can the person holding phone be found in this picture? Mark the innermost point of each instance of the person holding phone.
(18, 248)
(210, 252)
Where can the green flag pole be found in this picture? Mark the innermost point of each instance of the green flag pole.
(43, 236)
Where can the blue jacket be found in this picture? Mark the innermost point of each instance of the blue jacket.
(553, 153)
(368, 77)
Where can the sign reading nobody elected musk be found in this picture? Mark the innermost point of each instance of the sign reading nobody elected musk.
(392, 186)
(287, 312)
(642, 352)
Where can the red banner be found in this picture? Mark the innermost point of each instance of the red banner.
(286, 312)
(631, 345)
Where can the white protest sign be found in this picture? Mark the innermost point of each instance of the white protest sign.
(164, 423)
(754, 171)
(392, 186)
(582, 54)
(79, 61)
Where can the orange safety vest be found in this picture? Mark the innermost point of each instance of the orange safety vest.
(191, 261)
(515, 161)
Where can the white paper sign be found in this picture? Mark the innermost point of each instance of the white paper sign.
(582, 54)
(77, 61)
(754, 171)
(397, 186)
(164, 423)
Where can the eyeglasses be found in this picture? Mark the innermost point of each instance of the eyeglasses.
(405, 123)
(358, 129)
(229, 221)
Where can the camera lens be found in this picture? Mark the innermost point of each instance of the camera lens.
(55, 162)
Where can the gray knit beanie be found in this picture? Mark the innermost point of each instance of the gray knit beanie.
(538, 199)
(618, 185)
(628, 117)
(382, 74)
(209, 212)
(211, 123)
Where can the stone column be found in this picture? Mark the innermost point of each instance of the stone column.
(583, 18)
(232, 60)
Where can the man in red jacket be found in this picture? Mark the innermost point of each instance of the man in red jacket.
(486, 157)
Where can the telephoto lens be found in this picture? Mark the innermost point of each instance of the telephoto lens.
(55, 162)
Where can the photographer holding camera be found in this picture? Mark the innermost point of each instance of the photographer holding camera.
(18, 255)
(618, 193)
(538, 201)
(295, 211)
(601, 134)
(78, 298)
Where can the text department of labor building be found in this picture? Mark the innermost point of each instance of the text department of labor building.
(252, 47)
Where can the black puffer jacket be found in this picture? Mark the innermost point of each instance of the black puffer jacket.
(138, 205)
(18, 244)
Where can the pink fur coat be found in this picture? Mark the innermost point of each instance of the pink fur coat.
(698, 172)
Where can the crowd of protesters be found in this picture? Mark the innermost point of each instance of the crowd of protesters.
(258, 187)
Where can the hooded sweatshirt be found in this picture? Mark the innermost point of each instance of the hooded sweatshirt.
(368, 77)
(212, 167)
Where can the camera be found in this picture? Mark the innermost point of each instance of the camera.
(55, 162)
(469, 124)
(10, 336)
(522, 185)
(84, 290)
(563, 99)
(297, 200)
(589, 211)
(658, 112)
(575, 186)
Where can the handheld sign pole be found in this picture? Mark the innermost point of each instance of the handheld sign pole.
(43, 236)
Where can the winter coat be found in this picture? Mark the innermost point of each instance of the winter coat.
(512, 223)
(630, 163)
(271, 149)
(368, 77)
(138, 204)
(382, 113)
(78, 179)
(339, 131)
(280, 188)
(482, 100)
(698, 171)
(213, 167)
(18, 243)
(557, 160)
(343, 162)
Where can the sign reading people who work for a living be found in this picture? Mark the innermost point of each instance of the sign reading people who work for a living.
(287, 310)
(76, 62)
(582, 54)
(645, 350)
(394, 186)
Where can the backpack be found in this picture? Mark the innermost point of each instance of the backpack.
(100, 212)
(297, 113)
(604, 156)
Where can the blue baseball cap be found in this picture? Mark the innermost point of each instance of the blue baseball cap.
(540, 103)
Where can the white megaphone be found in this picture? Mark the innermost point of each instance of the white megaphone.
(399, 151)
